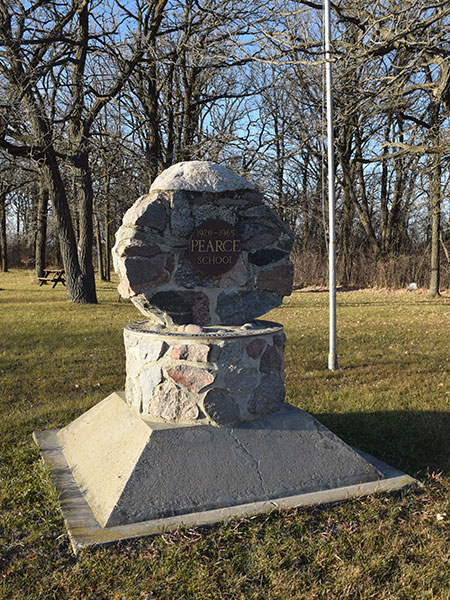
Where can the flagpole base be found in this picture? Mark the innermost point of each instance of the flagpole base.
(332, 361)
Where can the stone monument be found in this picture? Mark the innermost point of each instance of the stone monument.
(202, 431)
(201, 257)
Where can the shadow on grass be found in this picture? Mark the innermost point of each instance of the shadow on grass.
(413, 441)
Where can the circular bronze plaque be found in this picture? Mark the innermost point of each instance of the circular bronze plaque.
(214, 247)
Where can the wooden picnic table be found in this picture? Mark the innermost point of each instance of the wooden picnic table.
(52, 276)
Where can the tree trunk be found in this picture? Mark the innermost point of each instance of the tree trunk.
(444, 247)
(3, 242)
(107, 227)
(86, 231)
(362, 208)
(153, 143)
(346, 244)
(168, 160)
(435, 192)
(307, 212)
(41, 233)
(79, 288)
(98, 238)
(384, 210)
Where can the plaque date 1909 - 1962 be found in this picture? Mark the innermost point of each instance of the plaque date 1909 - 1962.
(214, 247)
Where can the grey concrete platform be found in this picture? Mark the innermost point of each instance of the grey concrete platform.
(121, 477)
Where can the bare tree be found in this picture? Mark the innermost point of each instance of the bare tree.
(44, 62)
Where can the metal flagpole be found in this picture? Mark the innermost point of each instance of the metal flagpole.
(332, 355)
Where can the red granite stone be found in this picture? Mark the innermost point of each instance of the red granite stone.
(200, 309)
(192, 378)
(194, 353)
(272, 361)
(255, 348)
(171, 403)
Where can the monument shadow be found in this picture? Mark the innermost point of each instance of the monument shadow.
(412, 441)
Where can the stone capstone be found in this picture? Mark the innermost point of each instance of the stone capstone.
(200, 176)
(160, 277)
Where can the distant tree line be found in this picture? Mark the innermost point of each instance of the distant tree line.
(97, 98)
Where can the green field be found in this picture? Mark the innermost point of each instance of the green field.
(390, 397)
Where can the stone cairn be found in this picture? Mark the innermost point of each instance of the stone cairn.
(202, 257)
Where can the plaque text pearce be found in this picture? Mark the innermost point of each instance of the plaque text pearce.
(214, 247)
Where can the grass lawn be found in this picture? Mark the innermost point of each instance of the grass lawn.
(390, 397)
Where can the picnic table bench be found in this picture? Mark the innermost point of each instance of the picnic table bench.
(52, 276)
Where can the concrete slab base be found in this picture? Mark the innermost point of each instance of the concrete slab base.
(121, 477)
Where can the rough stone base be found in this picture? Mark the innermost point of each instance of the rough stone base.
(137, 477)
(218, 375)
